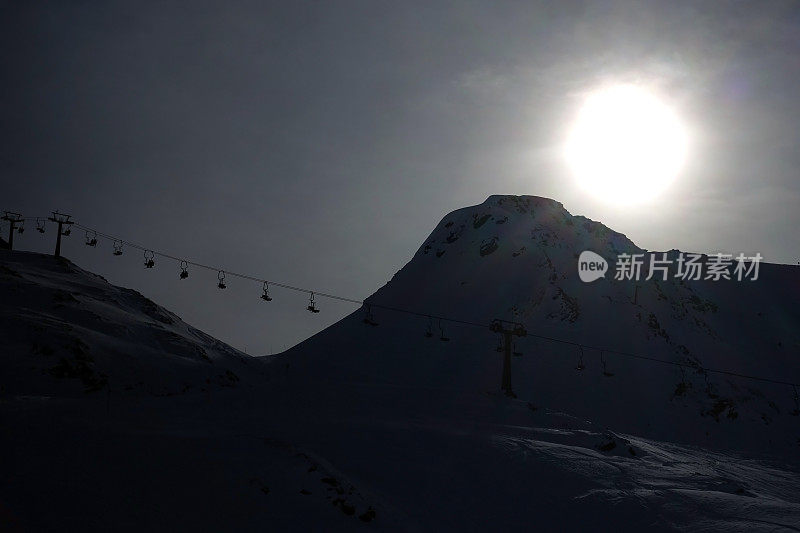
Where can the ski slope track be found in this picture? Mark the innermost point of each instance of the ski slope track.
(115, 414)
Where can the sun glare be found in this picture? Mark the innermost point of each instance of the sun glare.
(626, 146)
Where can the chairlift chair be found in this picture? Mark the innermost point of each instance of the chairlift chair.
(515, 351)
(580, 366)
(266, 297)
(40, 225)
(606, 373)
(148, 259)
(312, 305)
(117, 247)
(184, 270)
(441, 333)
(369, 319)
(91, 238)
(709, 385)
(429, 329)
(221, 279)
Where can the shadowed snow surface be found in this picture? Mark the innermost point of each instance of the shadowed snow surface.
(117, 415)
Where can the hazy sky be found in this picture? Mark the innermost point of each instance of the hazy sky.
(318, 143)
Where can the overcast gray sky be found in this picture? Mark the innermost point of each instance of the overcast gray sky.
(318, 143)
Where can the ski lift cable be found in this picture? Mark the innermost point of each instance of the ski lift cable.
(281, 285)
(435, 317)
(227, 272)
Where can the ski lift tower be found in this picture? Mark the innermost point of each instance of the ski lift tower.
(13, 219)
(62, 220)
(507, 329)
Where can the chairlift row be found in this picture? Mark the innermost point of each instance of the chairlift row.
(149, 262)
(91, 235)
(709, 386)
(41, 226)
(184, 273)
(429, 330)
(582, 366)
(514, 351)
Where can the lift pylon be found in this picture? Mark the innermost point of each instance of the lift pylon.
(13, 219)
(507, 330)
(62, 220)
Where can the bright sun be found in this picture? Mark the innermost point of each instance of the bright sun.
(626, 146)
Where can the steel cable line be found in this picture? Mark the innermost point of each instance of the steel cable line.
(426, 315)
(275, 283)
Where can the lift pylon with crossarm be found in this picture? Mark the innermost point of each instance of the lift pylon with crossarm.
(13, 219)
(507, 329)
(62, 220)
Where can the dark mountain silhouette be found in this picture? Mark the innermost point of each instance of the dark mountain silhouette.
(118, 415)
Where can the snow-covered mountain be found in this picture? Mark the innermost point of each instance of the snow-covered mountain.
(109, 399)
(516, 258)
(631, 445)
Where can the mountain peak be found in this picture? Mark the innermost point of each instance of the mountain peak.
(515, 224)
(527, 200)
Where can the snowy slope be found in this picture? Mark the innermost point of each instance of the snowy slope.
(67, 331)
(450, 460)
(422, 423)
(516, 258)
(382, 428)
(115, 415)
